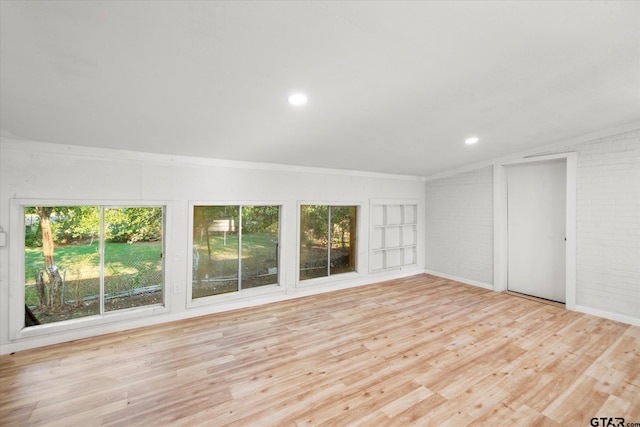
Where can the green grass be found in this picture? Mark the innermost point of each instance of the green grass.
(258, 255)
(127, 267)
(82, 260)
(130, 266)
(253, 245)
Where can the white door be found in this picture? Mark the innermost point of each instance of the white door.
(536, 212)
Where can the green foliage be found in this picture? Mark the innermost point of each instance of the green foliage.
(71, 224)
(31, 296)
(33, 235)
(315, 220)
(255, 219)
(260, 219)
(77, 223)
(313, 223)
(206, 217)
(342, 223)
(133, 224)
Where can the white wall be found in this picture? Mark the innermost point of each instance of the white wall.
(459, 226)
(607, 225)
(458, 210)
(34, 170)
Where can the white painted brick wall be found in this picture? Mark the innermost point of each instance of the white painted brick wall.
(608, 223)
(459, 225)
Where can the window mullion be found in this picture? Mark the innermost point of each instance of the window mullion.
(239, 247)
(328, 241)
(101, 268)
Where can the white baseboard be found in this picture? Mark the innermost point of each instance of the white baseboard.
(579, 308)
(608, 315)
(460, 279)
(227, 304)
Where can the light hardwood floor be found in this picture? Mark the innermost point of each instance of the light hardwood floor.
(414, 351)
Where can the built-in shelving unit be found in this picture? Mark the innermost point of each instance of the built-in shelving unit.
(394, 235)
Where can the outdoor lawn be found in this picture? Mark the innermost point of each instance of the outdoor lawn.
(216, 265)
(138, 264)
(89, 279)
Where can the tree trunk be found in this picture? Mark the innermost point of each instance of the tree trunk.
(55, 281)
(47, 248)
(42, 299)
(47, 235)
(205, 224)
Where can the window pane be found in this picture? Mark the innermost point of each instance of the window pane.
(215, 250)
(343, 239)
(62, 275)
(314, 242)
(133, 248)
(259, 245)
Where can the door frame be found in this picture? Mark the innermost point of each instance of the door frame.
(500, 224)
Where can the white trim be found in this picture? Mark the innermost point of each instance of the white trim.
(460, 279)
(16, 143)
(17, 330)
(608, 315)
(16, 269)
(542, 158)
(235, 297)
(579, 308)
(499, 228)
(500, 222)
(12, 143)
(326, 280)
(608, 132)
(241, 293)
(359, 243)
(393, 202)
(244, 302)
(571, 230)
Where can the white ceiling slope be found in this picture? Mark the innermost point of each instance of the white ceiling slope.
(393, 86)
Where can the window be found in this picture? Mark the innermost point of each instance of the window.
(327, 240)
(85, 261)
(234, 247)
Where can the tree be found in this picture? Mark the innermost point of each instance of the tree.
(77, 223)
(342, 223)
(55, 280)
(313, 223)
(130, 225)
(258, 219)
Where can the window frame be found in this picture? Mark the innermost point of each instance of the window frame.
(17, 328)
(359, 243)
(241, 293)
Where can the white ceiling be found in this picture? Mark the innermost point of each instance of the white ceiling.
(393, 86)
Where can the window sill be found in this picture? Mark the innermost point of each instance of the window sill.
(234, 296)
(89, 322)
(328, 280)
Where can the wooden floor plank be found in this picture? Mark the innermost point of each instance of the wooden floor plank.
(422, 350)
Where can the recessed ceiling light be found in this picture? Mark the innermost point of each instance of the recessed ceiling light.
(297, 99)
(471, 141)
